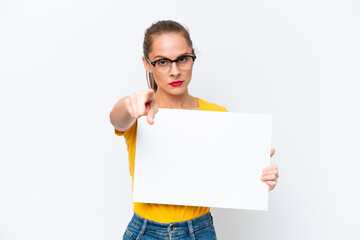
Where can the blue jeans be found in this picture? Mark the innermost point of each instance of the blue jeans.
(200, 228)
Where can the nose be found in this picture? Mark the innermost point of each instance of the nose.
(174, 70)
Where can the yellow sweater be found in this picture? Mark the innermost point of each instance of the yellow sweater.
(162, 212)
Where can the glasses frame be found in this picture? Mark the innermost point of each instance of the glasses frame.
(171, 61)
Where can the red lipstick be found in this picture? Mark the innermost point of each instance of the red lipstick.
(176, 83)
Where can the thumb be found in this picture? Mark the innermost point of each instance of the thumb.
(272, 151)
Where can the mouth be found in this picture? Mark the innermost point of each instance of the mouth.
(176, 83)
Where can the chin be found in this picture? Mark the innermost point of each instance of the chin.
(178, 91)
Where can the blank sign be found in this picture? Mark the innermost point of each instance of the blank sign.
(203, 158)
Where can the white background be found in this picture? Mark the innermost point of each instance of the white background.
(63, 65)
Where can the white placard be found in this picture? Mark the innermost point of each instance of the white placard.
(203, 158)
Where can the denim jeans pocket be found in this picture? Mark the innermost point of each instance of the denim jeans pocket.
(206, 233)
(127, 235)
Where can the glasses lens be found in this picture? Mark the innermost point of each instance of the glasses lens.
(163, 65)
(185, 63)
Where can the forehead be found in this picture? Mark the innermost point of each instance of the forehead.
(169, 45)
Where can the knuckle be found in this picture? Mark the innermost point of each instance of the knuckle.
(136, 94)
(133, 97)
(127, 100)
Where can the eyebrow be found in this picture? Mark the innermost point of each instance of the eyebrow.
(159, 56)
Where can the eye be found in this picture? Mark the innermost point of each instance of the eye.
(162, 62)
(182, 59)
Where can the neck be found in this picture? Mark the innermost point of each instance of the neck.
(184, 101)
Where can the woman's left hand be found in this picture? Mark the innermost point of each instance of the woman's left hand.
(270, 174)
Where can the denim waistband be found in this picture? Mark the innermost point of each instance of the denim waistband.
(173, 228)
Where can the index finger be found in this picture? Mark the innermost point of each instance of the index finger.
(152, 111)
(150, 95)
(273, 166)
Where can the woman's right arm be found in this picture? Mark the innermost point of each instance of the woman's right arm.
(129, 108)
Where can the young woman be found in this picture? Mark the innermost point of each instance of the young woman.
(168, 60)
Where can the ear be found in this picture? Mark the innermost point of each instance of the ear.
(147, 65)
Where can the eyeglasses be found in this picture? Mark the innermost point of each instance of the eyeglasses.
(184, 62)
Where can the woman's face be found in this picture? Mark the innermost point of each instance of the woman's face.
(171, 46)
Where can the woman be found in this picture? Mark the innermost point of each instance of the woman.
(168, 60)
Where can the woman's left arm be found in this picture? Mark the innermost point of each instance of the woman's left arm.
(270, 174)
